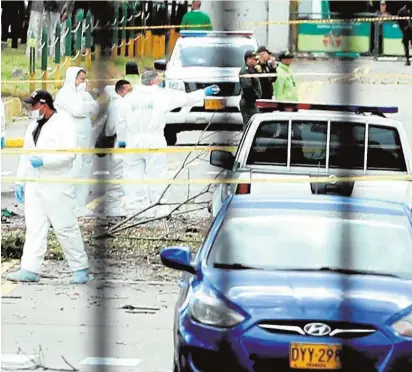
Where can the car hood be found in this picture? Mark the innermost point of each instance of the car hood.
(203, 74)
(298, 295)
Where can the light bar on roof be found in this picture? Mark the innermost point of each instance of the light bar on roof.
(271, 105)
(201, 33)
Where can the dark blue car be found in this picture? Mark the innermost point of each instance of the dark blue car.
(297, 284)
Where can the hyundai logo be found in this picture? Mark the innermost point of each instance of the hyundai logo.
(317, 329)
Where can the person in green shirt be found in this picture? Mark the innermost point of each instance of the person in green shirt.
(132, 73)
(285, 88)
(196, 17)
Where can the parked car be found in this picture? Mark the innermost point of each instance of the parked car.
(297, 284)
(199, 59)
(318, 140)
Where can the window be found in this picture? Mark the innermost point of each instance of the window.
(212, 55)
(347, 145)
(309, 144)
(385, 150)
(270, 145)
(269, 240)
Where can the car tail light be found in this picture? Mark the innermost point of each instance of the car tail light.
(243, 188)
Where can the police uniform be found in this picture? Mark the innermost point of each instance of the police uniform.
(406, 27)
(251, 89)
(285, 86)
(266, 68)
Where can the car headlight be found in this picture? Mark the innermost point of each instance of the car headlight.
(208, 309)
(403, 326)
(175, 84)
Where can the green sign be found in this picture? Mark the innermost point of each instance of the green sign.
(392, 39)
(323, 37)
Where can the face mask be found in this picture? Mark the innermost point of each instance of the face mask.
(35, 114)
(82, 87)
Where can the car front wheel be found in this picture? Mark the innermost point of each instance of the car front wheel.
(171, 136)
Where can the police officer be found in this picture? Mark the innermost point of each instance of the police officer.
(285, 86)
(266, 65)
(406, 27)
(251, 88)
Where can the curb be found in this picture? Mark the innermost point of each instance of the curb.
(14, 142)
(13, 108)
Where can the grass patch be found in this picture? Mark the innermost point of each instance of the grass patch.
(14, 59)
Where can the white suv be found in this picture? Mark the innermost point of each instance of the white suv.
(199, 59)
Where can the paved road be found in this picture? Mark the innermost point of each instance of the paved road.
(64, 319)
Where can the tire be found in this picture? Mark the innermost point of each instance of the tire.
(171, 136)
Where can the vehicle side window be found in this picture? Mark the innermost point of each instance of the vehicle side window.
(270, 144)
(309, 144)
(347, 145)
(385, 150)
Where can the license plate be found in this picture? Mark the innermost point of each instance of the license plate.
(215, 104)
(315, 356)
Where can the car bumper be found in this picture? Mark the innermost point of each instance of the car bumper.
(198, 115)
(250, 348)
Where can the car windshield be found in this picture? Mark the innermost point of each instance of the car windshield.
(316, 240)
(212, 55)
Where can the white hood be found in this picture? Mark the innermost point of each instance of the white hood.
(71, 75)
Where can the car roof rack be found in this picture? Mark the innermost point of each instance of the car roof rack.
(204, 33)
(268, 105)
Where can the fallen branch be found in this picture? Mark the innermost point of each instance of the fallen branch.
(38, 363)
(119, 226)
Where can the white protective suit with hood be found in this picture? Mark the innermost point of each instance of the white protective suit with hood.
(51, 203)
(82, 107)
(143, 119)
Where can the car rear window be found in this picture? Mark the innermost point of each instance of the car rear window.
(309, 146)
(212, 55)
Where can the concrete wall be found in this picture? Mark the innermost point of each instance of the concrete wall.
(237, 15)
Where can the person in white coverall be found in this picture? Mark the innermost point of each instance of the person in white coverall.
(48, 203)
(74, 99)
(143, 119)
(115, 192)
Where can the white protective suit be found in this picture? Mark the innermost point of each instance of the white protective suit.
(114, 192)
(143, 119)
(82, 107)
(46, 203)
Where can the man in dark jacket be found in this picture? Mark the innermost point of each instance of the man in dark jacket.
(251, 89)
(406, 26)
(266, 65)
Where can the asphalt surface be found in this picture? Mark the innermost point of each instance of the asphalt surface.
(65, 321)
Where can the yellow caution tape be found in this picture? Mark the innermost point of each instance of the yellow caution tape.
(206, 181)
(142, 150)
(268, 23)
(51, 81)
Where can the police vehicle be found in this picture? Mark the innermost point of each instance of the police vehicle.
(291, 144)
(199, 59)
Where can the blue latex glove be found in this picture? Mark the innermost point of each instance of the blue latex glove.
(36, 161)
(122, 144)
(211, 90)
(19, 193)
(3, 143)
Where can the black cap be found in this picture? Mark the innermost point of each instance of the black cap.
(263, 49)
(286, 54)
(251, 54)
(132, 68)
(41, 96)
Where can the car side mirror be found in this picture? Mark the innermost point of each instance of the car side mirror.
(160, 65)
(178, 258)
(222, 159)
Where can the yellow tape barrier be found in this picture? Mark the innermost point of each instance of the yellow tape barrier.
(206, 181)
(142, 150)
(269, 23)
